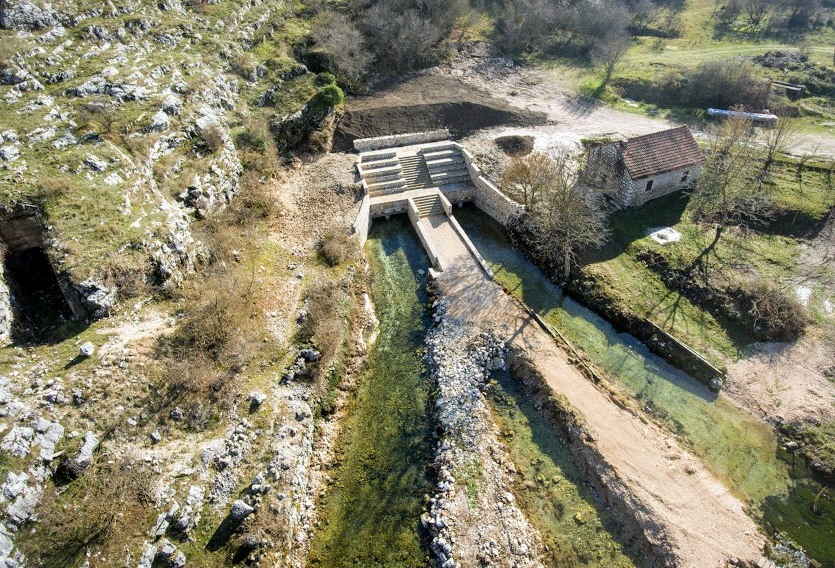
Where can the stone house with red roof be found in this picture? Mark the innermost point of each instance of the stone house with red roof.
(633, 171)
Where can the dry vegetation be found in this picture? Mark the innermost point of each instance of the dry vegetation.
(98, 513)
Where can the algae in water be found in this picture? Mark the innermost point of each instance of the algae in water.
(370, 515)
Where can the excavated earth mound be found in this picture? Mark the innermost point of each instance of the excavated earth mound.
(427, 103)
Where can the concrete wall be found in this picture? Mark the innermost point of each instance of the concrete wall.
(382, 142)
(487, 197)
(663, 184)
(363, 221)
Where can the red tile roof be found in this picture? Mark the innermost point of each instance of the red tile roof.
(660, 152)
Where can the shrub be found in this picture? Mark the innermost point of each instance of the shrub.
(726, 83)
(220, 333)
(323, 79)
(337, 247)
(328, 309)
(83, 518)
(329, 96)
(212, 137)
(777, 316)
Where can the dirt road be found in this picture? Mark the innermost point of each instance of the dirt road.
(684, 509)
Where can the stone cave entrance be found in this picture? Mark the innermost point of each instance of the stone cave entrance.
(39, 306)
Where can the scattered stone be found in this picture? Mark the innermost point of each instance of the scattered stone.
(159, 122)
(155, 437)
(95, 163)
(86, 350)
(172, 105)
(310, 354)
(256, 399)
(149, 552)
(9, 153)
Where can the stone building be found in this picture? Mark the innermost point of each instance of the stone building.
(633, 171)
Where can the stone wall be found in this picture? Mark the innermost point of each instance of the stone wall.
(605, 171)
(487, 197)
(363, 221)
(382, 142)
(663, 184)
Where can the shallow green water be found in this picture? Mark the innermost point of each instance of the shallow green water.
(371, 514)
(575, 529)
(739, 449)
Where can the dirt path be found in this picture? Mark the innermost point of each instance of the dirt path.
(688, 509)
(572, 116)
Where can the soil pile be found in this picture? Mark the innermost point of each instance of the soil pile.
(427, 103)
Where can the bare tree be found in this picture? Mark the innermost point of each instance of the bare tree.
(573, 217)
(727, 191)
(607, 53)
(343, 45)
(757, 10)
(528, 177)
(776, 141)
(568, 217)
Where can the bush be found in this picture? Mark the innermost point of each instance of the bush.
(726, 83)
(83, 519)
(329, 96)
(328, 313)
(337, 247)
(777, 316)
(212, 137)
(220, 333)
(323, 79)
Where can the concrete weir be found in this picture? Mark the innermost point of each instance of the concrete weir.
(425, 180)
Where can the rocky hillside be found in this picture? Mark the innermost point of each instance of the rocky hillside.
(158, 346)
(120, 125)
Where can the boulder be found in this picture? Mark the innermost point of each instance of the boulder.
(86, 350)
(159, 122)
(172, 105)
(240, 510)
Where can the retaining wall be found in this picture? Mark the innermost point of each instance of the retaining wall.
(487, 197)
(363, 221)
(382, 142)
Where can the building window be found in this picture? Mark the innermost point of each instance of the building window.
(649, 185)
(685, 176)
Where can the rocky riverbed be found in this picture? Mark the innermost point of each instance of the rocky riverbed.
(472, 516)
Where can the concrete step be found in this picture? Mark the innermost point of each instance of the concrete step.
(439, 147)
(441, 153)
(377, 156)
(397, 184)
(445, 162)
(382, 178)
(428, 205)
(384, 167)
(450, 177)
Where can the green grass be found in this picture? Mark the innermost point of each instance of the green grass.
(702, 39)
(738, 449)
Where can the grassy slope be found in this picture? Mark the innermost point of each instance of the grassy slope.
(740, 255)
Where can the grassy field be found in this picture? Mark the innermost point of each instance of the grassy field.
(702, 38)
(741, 254)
